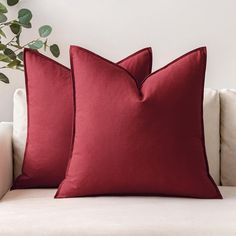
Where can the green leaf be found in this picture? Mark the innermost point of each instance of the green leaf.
(24, 16)
(12, 2)
(2, 33)
(55, 50)
(8, 52)
(2, 56)
(3, 18)
(4, 78)
(13, 64)
(36, 44)
(28, 25)
(2, 46)
(20, 56)
(21, 65)
(45, 30)
(15, 28)
(3, 9)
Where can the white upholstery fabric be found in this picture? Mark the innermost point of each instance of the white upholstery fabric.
(36, 213)
(6, 167)
(228, 137)
(19, 129)
(211, 121)
(211, 114)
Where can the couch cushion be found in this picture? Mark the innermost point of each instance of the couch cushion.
(228, 136)
(131, 140)
(211, 115)
(211, 126)
(19, 129)
(45, 161)
(35, 212)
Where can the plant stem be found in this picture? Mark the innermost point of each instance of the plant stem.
(4, 24)
(11, 40)
(23, 46)
(5, 67)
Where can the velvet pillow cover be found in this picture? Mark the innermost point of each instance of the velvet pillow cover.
(138, 141)
(50, 105)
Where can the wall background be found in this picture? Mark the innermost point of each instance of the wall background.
(116, 28)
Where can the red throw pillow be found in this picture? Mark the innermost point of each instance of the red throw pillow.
(51, 114)
(147, 141)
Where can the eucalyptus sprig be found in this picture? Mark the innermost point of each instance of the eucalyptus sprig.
(11, 48)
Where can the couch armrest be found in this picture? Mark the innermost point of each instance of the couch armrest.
(6, 160)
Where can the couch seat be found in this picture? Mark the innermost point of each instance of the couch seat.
(36, 213)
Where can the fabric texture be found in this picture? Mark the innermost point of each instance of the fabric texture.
(211, 115)
(35, 212)
(6, 165)
(130, 141)
(139, 65)
(211, 110)
(19, 129)
(228, 137)
(50, 122)
(50, 117)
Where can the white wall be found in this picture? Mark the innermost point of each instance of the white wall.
(115, 28)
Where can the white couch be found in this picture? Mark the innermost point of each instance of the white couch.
(35, 212)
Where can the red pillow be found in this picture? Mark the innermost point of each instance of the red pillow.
(50, 116)
(147, 141)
